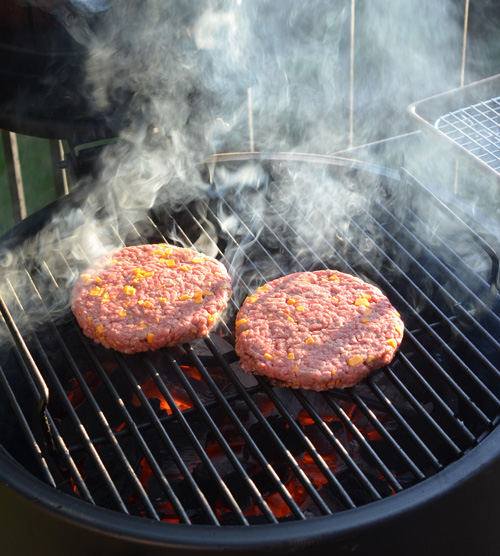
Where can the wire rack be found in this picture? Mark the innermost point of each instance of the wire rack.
(476, 128)
(467, 119)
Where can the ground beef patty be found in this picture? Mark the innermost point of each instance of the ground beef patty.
(317, 330)
(148, 296)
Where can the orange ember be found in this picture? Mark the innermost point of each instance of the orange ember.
(276, 504)
(266, 406)
(152, 391)
(373, 435)
(319, 436)
(311, 469)
(75, 393)
(305, 419)
(167, 512)
(296, 489)
(193, 372)
(145, 473)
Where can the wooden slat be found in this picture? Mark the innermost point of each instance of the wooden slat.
(14, 176)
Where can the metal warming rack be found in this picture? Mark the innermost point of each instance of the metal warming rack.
(468, 120)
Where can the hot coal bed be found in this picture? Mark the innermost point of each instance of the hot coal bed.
(179, 452)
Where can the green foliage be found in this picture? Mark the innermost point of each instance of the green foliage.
(34, 154)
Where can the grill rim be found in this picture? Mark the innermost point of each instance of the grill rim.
(418, 506)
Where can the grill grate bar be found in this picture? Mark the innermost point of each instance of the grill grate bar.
(233, 504)
(248, 439)
(388, 439)
(172, 497)
(80, 428)
(157, 379)
(250, 442)
(443, 345)
(286, 454)
(387, 475)
(25, 427)
(69, 462)
(36, 379)
(136, 433)
(493, 342)
(422, 411)
(395, 413)
(446, 348)
(479, 304)
(180, 417)
(448, 252)
(121, 456)
(340, 449)
(435, 399)
(353, 429)
(481, 307)
(389, 286)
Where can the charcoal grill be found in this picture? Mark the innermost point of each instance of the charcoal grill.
(180, 452)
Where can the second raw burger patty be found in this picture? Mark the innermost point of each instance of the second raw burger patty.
(145, 297)
(317, 330)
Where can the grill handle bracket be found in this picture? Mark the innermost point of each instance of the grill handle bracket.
(34, 371)
(494, 280)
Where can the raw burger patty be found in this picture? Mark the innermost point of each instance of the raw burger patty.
(317, 330)
(148, 296)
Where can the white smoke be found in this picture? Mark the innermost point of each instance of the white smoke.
(176, 76)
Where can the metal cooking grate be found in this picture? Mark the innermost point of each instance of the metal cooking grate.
(475, 128)
(183, 435)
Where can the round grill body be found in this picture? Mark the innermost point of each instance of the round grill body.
(180, 452)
